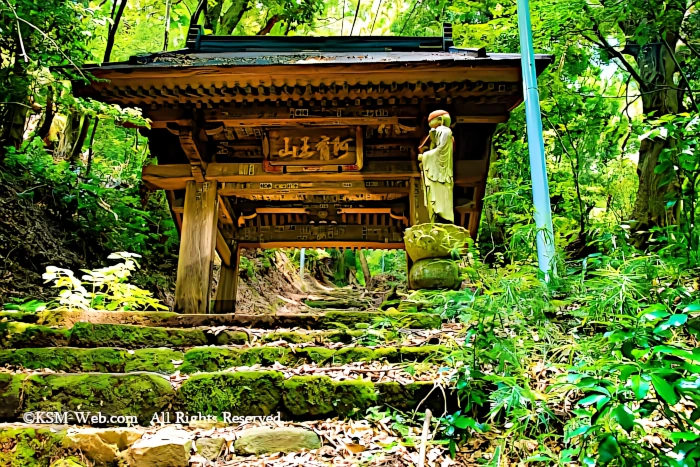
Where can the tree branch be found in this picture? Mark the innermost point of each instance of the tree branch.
(274, 19)
(113, 31)
(603, 43)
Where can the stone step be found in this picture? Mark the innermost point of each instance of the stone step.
(144, 396)
(204, 359)
(174, 446)
(311, 320)
(15, 335)
(200, 444)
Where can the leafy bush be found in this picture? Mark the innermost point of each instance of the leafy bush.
(102, 289)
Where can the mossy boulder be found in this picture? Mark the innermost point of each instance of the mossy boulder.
(229, 337)
(131, 336)
(139, 395)
(434, 240)
(240, 393)
(434, 273)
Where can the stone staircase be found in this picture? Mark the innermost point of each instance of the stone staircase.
(71, 382)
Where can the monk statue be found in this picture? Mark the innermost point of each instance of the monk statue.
(437, 169)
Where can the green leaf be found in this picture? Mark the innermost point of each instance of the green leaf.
(675, 351)
(624, 417)
(598, 399)
(664, 390)
(539, 458)
(656, 314)
(640, 386)
(684, 436)
(673, 321)
(577, 432)
(608, 450)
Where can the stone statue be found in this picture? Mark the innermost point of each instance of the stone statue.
(437, 168)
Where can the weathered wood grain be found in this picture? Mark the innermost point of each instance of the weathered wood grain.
(197, 241)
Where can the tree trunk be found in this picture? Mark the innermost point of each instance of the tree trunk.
(113, 31)
(365, 268)
(45, 128)
(660, 96)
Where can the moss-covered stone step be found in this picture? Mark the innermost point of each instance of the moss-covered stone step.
(88, 335)
(327, 320)
(101, 359)
(298, 397)
(22, 335)
(209, 359)
(113, 395)
(242, 393)
(19, 317)
(202, 359)
(336, 304)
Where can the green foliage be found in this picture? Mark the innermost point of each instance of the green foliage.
(637, 395)
(616, 332)
(679, 170)
(106, 289)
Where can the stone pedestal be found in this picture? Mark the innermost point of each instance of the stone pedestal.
(431, 248)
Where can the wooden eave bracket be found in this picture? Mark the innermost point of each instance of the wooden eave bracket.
(192, 150)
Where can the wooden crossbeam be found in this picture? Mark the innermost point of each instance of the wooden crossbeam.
(175, 176)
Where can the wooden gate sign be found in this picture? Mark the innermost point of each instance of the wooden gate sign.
(313, 146)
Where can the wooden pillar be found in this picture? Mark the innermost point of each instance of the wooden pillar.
(228, 284)
(197, 241)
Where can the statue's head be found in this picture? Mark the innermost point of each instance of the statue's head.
(439, 118)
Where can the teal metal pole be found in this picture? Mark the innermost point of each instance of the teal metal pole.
(538, 167)
(302, 260)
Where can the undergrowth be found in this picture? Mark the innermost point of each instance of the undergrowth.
(601, 366)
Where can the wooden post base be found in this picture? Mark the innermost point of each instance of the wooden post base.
(228, 284)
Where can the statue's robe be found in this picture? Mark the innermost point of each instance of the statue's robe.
(438, 174)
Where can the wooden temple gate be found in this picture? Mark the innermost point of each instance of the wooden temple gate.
(268, 142)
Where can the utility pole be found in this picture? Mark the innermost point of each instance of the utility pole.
(535, 142)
